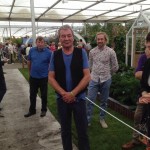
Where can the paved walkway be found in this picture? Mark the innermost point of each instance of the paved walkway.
(17, 132)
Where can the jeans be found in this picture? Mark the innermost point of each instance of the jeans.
(35, 84)
(93, 89)
(65, 111)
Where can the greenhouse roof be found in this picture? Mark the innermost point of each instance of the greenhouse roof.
(17, 13)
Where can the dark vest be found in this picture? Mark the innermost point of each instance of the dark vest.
(76, 68)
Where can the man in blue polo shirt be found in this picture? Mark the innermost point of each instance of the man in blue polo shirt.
(38, 64)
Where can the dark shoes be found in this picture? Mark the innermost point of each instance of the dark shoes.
(43, 113)
(130, 145)
(29, 114)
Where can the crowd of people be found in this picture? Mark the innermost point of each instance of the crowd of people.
(74, 76)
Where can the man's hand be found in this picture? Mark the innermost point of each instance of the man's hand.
(68, 97)
(144, 100)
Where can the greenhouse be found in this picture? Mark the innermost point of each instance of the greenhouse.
(20, 18)
(46, 80)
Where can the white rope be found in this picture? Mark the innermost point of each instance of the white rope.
(118, 119)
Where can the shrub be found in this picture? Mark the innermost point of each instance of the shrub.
(125, 87)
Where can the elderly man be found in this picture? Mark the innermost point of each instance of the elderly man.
(69, 75)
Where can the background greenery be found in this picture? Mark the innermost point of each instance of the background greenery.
(100, 139)
(125, 87)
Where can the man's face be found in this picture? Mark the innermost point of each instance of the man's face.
(147, 49)
(147, 45)
(66, 38)
(40, 44)
(101, 41)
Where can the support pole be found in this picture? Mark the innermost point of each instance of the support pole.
(33, 21)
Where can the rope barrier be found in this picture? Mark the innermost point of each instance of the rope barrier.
(118, 119)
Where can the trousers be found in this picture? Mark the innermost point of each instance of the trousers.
(36, 84)
(65, 112)
(93, 89)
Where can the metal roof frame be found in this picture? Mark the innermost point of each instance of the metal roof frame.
(74, 11)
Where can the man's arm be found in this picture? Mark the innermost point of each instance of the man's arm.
(138, 75)
(29, 66)
(54, 83)
(114, 62)
(70, 97)
(83, 83)
(90, 60)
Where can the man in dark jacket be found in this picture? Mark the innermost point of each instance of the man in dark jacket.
(69, 75)
(2, 81)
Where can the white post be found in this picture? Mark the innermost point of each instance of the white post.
(132, 50)
(127, 49)
(33, 21)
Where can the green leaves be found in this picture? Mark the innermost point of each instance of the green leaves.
(125, 87)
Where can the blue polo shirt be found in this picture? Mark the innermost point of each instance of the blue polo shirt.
(40, 60)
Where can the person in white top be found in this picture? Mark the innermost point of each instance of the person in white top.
(28, 49)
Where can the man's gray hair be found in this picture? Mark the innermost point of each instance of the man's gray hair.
(64, 27)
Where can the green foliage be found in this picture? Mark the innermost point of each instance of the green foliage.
(125, 87)
(17, 40)
(14, 40)
(98, 137)
(119, 44)
(116, 33)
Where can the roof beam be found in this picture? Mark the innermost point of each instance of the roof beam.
(126, 15)
(107, 12)
(11, 8)
(17, 31)
(47, 10)
(115, 9)
(97, 2)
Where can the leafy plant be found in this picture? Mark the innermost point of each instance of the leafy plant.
(125, 87)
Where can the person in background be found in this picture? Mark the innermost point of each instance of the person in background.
(139, 109)
(2, 81)
(59, 46)
(52, 47)
(69, 75)
(28, 49)
(103, 63)
(11, 51)
(38, 64)
(80, 44)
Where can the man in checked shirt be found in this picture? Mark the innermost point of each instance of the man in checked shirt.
(103, 63)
